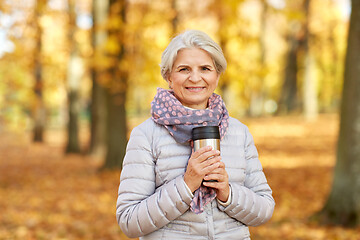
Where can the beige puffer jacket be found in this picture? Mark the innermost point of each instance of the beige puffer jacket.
(153, 201)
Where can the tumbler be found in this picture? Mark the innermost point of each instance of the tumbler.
(206, 136)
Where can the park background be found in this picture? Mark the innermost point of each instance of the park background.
(77, 75)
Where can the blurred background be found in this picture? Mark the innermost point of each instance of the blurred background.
(77, 75)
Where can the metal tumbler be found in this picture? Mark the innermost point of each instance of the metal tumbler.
(206, 136)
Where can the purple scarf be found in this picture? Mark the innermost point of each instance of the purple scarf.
(168, 111)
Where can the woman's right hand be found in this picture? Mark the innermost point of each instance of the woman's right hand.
(200, 165)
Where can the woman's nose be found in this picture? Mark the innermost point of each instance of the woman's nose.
(195, 76)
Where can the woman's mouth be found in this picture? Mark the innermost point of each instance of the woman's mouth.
(195, 89)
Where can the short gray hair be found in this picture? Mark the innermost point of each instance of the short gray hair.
(191, 39)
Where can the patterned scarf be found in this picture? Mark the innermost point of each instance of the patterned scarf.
(168, 111)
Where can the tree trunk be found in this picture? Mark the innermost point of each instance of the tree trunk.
(175, 19)
(310, 100)
(74, 74)
(343, 204)
(73, 145)
(310, 103)
(116, 120)
(98, 118)
(116, 130)
(258, 94)
(39, 113)
(298, 53)
(98, 97)
(288, 99)
(75, 71)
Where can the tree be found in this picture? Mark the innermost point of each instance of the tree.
(98, 96)
(175, 18)
(328, 50)
(298, 52)
(73, 77)
(39, 114)
(116, 94)
(343, 204)
(310, 104)
(288, 98)
(258, 96)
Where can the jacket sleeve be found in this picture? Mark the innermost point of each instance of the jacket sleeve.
(141, 208)
(251, 203)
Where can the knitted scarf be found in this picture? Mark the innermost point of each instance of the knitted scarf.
(168, 111)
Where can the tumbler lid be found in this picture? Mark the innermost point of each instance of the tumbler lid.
(205, 132)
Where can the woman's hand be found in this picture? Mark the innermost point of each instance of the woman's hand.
(222, 184)
(200, 165)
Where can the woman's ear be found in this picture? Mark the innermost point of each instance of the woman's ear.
(169, 82)
(218, 78)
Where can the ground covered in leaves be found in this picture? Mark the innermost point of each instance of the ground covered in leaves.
(45, 194)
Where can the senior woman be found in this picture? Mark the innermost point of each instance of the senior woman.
(162, 194)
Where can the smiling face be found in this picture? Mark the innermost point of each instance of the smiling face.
(193, 77)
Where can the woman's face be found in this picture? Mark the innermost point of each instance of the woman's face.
(193, 77)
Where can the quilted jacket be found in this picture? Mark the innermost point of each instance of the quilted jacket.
(153, 200)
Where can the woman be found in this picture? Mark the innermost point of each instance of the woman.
(162, 194)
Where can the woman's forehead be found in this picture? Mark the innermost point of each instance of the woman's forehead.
(193, 56)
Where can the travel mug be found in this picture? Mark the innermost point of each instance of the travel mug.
(206, 136)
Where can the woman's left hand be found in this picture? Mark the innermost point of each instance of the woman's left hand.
(222, 185)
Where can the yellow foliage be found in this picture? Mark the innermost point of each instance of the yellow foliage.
(148, 28)
(113, 46)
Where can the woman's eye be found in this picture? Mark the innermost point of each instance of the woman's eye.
(182, 69)
(206, 69)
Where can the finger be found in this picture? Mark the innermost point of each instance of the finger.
(209, 155)
(219, 174)
(217, 177)
(210, 162)
(200, 169)
(209, 168)
(220, 169)
(201, 151)
(222, 165)
(218, 182)
(215, 185)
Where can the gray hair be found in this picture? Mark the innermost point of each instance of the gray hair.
(191, 39)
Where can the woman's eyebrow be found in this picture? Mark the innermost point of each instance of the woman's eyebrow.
(182, 65)
(206, 65)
